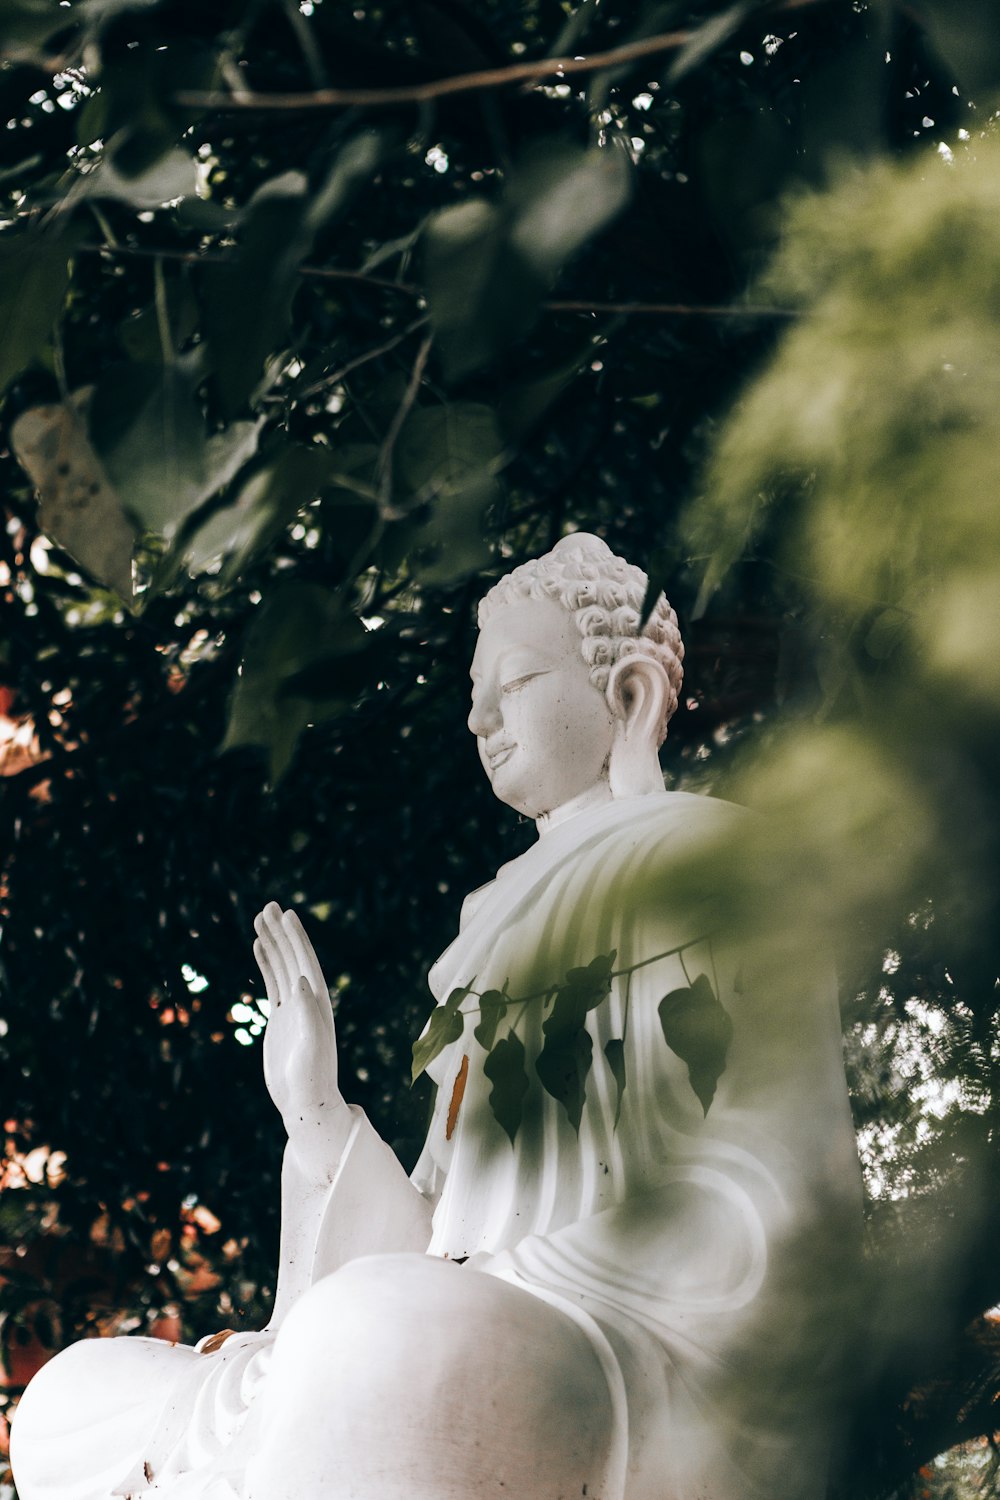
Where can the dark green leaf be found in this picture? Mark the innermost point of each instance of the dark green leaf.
(661, 568)
(298, 625)
(247, 303)
(358, 162)
(98, 12)
(139, 335)
(843, 107)
(744, 161)
(492, 1009)
(583, 990)
(442, 447)
(697, 1027)
(506, 1071)
(446, 455)
(560, 198)
(149, 432)
(523, 405)
(481, 295)
(708, 38)
(172, 175)
(34, 274)
(567, 1052)
(654, 18)
(341, 675)
(264, 506)
(487, 265)
(614, 1051)
(444, 1027)
(562, 1067)
(27, 24)
(576, 27)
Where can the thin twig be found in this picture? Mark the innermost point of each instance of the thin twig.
(384, 469)
(460, 83)
(362, 359)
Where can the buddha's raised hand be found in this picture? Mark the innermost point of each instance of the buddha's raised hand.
(300, 1044)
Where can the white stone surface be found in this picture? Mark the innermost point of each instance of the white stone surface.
(644, 1310)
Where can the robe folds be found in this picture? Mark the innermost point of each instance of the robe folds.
(701, 1254)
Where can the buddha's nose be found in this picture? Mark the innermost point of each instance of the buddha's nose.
(485, 718)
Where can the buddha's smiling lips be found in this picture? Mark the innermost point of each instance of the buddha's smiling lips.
(496, 758)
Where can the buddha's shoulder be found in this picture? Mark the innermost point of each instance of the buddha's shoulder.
(683, 814)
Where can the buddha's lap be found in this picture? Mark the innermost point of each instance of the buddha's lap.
(409, 1364)
(416, 1329)
(399, 1343)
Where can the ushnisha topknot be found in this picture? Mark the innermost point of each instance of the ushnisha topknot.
(604, 594)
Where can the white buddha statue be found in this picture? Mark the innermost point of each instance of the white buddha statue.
(633, 1309)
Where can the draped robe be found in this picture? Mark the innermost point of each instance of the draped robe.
(700, 1254)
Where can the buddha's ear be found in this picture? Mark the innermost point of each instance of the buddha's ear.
(637, 692)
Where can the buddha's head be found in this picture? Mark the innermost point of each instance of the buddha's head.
(570, 701)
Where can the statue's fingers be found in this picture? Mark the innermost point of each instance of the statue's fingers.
(268, 928)
(289, 958)
(267, 974)
(269, 954)
(305, 953)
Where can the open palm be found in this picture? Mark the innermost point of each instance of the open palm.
(300, 1041)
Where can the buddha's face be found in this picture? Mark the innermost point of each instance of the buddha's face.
(545, 732)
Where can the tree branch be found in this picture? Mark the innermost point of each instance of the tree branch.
(223, 258)
(461, 83)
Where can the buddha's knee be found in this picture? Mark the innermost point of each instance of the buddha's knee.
(415, 1369)
(85, 1414)
(368, 1315)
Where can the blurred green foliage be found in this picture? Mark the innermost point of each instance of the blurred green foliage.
(294, 385)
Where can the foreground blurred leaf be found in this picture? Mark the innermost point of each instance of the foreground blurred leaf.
(873, 453)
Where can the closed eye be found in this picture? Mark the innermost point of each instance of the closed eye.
(518, 682)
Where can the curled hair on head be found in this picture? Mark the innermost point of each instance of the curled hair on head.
(604, 594)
